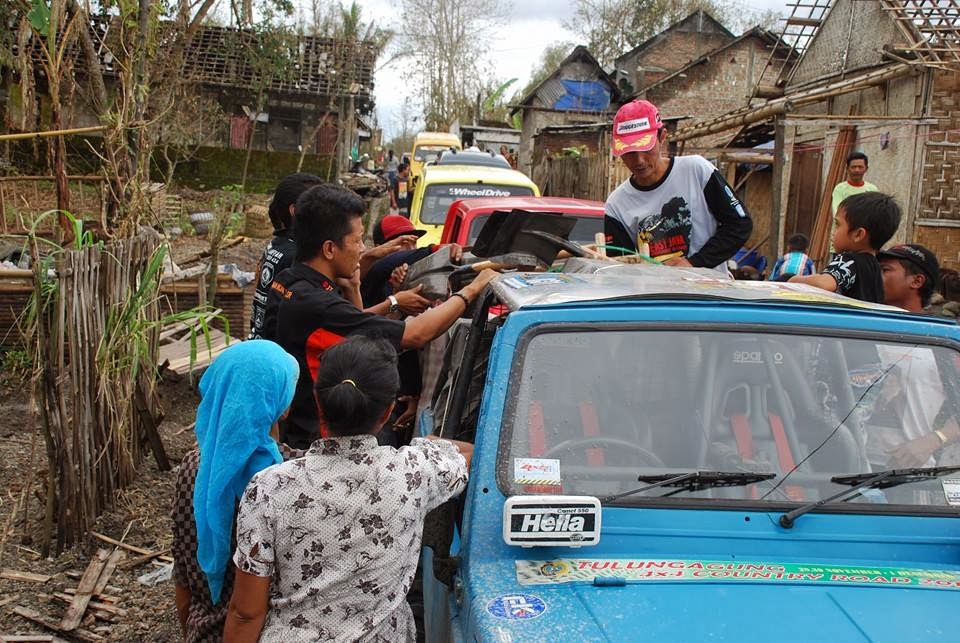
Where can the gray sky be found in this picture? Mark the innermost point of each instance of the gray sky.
(515, 49)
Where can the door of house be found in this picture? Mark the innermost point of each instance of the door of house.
(806, 179)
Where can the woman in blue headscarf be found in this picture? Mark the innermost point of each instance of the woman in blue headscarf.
(244, 392)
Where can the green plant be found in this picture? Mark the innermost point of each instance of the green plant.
(128, 333)
(15, 365)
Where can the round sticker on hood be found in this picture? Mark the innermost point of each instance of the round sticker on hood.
(517, 606)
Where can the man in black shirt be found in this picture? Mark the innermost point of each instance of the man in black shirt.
(312, 315)
(279, 253)
(864, 222)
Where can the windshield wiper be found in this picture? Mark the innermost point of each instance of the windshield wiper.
(694, 481)
(867, 480)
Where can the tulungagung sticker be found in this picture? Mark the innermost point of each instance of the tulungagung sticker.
(517, 607)
(587, 570)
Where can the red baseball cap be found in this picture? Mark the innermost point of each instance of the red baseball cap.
(392, 226)
(635, 127)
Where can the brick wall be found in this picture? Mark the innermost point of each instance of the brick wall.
(679, 48)
(670, 52)
(715, 87)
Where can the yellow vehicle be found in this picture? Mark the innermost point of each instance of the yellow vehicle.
(441, 185)
(427, 147)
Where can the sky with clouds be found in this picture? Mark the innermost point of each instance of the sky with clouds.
(515, 49)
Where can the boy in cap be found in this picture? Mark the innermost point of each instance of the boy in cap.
(910, 275)
(679, 210)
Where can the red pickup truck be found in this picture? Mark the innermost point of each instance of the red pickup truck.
(466, 218)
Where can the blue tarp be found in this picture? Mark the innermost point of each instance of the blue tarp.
(584, 95)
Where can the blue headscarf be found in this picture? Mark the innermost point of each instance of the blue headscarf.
(245, 390)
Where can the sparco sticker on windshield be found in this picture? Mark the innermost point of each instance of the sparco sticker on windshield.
(951, 489)
(517, 607)
(628, 570)
(545, 471)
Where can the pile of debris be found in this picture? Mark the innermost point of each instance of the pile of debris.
(92, 606)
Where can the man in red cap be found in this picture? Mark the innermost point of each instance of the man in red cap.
(678, 210)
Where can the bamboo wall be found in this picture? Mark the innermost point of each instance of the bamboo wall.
(587, 177)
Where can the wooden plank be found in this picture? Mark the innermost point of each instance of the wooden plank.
(133, 548)
(150, 428)
(103, 598)
(29, 577)
(46, 621)
(179, 327)
(139, 560)
(74, 614)
(115, 557)
(26, 638)
(95, 605)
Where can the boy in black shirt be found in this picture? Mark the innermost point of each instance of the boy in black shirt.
(864, 222)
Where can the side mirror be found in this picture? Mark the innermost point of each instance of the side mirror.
(551, 521)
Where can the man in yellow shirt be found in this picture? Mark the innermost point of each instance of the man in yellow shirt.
(856, 169)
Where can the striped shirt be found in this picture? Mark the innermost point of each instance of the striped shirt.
(793, 263)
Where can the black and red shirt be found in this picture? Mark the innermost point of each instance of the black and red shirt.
(311, 316)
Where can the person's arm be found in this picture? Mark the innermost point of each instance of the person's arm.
(839, 276)
(182, 599)
(616, 234)
(734, 225)
(426, 327)
(372, 255)
(411, 302)
(248, 608)
(465, 448)
(916, 452)
(822, 281)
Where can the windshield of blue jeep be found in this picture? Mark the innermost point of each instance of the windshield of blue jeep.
(591, 411)
(438, 197)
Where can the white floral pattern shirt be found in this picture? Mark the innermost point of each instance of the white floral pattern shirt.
(339, 531)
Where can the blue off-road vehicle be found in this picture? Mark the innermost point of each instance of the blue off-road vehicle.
(662, 455)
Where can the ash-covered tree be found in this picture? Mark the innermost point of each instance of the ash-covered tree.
(445, 45)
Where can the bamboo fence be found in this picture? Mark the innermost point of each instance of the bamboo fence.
(586, 177)
(95, 378)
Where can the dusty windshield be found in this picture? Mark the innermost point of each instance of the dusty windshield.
(584, 231)
(644, 402)
(429, 153)
(439, 196)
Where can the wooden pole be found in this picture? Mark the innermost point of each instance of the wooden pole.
(790, 102)
(780, 186)
(45, 134)
(34, 177)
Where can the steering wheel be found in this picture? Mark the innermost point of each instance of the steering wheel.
(647, 458)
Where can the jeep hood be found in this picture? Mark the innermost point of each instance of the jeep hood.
(720, 611)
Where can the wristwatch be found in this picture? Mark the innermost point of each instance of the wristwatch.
(394, 304)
